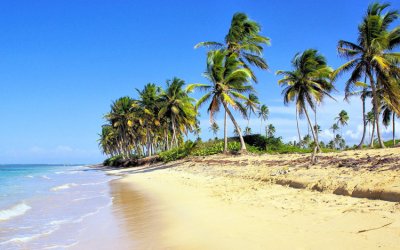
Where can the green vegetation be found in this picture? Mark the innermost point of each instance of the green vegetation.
(157, 121)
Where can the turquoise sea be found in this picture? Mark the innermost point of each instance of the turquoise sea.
(49, 206)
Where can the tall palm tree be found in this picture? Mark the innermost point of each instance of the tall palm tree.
(178, 107)
(251, 104)
(334, 128)
(229, 82)
(372, 54)
(247, 130)
(342, 119)
(306, 84)
(270, 130)
(245, 41)
(263, 114)
(149, 105)
(214, 128)
(120, 118)
(387, 116)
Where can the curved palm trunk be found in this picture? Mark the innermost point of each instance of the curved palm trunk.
(225, 136)
(376, 107)
(371, 144)
(364, 119)
(297, 122)
(242, 144)
(313, 159)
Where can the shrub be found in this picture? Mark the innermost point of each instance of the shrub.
(214, 147)
(113, 161)
(177, 153)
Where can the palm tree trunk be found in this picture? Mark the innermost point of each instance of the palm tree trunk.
(225, 136)
(297, 122)
(316, 129)
(376, 107)
(371, 144)
(313, 159)
(174, 139)
(394, 128)
(242, 144)
(364, 119)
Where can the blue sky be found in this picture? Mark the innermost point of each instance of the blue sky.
(63, 62)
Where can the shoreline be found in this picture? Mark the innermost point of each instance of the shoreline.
(205, 203)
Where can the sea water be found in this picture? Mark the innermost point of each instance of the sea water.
(46, 206)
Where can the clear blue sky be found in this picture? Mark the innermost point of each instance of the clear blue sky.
(63, 62)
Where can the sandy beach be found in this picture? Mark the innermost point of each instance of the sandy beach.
(264, 202)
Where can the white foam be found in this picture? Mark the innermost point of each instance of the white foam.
(14, 211)
(94, 183)
(62, 246)
(89, 198)
(46, 177)
(26, 238)
(65, 186)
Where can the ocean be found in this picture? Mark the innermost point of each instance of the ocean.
(53, 206)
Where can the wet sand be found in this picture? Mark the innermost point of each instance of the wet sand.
(193, 205)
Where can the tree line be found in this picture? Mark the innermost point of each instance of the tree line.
(159, 119)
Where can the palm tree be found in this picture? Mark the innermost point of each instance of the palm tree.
(178, 107)
(214, 128)
(370, 118)
(342, 119)
(263, 113)
(387, 116)
(247, 131)
(306, 84)
(251, 104)
(244, 41)
(270, 130)
(334, 128)
(372, 54)
(229, 81)
(339, 141)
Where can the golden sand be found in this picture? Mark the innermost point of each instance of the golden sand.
(222, 202)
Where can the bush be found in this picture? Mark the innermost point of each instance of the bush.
(214, 147)
(113, 161)
(177, 153)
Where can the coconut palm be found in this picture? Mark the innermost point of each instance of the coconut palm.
(178, 107)
(334, 128)
(263, 114)
(389, 116)
(120, 119)
(270, 130)
(251, 104)
(306, 84)
(243, 40)
(372, 54)
(342, 119)
(214, 128)
(229, 82)
(247, 131)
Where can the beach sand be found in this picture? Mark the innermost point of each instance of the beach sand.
(234, 202)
